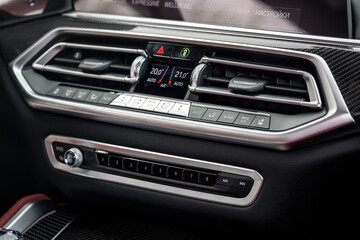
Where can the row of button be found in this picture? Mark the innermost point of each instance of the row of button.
(85, 95)
(152, 104)
(183, 109)
(186, 110)
(221, 182)
(157, 170)
(230, 117)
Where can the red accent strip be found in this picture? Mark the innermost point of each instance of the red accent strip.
(19, 204)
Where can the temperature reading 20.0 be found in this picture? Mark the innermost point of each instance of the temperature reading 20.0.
(157, 71)
(180, 74)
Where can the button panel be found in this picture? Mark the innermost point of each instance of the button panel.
(165, 171)
(178, 52)
(225, 183)
(170, 107)
(142, 168)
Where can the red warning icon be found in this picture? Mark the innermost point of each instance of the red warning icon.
(161, 50)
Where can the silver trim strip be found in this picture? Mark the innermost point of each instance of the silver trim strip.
(213, 29)
(336, 117)
(313, 91)
(159, 157)
(41, 63)
(29, 214)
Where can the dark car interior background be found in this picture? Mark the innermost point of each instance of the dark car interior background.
(179, 119)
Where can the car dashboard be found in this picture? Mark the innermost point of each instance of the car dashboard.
(240, 118)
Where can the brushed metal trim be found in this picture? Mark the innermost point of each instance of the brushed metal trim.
(136, 66)
(313, 91)
(212, 29)
(159, 157)
(336, 117)
(30, 214)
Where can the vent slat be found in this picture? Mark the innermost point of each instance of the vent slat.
(290, 90)
(211, 79)
(120, 67)
(279, 83)
(60, 60)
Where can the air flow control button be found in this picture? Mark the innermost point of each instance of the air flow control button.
(56, 91)
(150, 104)
(197, 112)
(69, 92)
(136, 102)
(164, 107)
(122, 100)
(107, 98)
(244, 119)
(228, 117)
(180, 109)
(212, 115)
(93, 96)
(81, 94)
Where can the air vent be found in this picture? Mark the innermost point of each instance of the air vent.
(96, 62)
(255, 82)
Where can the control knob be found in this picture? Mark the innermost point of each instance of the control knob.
(73, 157)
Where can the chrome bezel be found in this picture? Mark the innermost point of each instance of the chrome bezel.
(313, 91)
(158, 157)
(41, 63)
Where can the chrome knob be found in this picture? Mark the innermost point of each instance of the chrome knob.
(73, 157)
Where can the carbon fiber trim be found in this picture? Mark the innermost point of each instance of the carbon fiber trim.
(96, 225)
(343, 61)
(52, 225)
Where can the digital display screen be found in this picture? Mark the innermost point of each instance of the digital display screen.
(165, 80)
(320, 17)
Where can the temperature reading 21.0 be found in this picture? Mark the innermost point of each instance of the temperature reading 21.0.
(180, 74)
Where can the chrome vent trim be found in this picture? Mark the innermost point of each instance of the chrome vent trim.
(134, 75)
(313, 91)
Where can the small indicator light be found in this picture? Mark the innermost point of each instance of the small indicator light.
(161, 50)
(185, 52)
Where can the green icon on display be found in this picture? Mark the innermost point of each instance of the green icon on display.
(185, 52)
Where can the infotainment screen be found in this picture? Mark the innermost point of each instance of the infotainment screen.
(315, 17)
